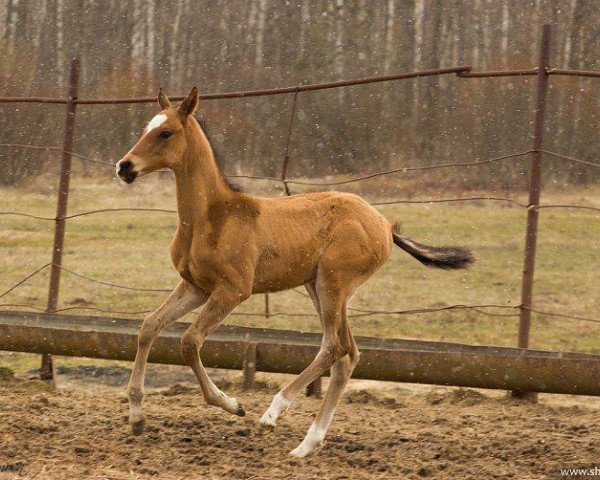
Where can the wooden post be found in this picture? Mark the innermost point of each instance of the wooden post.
(314, 389)
(267, 306)
(249, 367)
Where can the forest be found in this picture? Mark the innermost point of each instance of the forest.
(131, 47)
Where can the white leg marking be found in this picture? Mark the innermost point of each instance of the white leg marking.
(313, 440)
(279, 405)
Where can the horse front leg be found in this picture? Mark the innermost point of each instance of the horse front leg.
(219, 305)
(182, 300)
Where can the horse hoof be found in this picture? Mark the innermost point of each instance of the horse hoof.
(303, 450)
(138, 427)
(240, 411)
(265, 428)
(298, 453)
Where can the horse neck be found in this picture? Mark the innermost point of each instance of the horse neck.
(198, 180)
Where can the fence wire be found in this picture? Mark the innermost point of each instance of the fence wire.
(358, 312)
(460, 71)
(292, 181)
(362, 313)
(58, 150)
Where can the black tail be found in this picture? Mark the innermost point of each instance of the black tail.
(448, 258)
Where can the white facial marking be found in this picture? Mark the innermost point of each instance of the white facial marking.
(156, 122)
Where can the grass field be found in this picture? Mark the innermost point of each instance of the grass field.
(131, 248)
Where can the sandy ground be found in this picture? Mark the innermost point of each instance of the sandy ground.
(388, 431)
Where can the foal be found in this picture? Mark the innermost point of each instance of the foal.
(229, 245)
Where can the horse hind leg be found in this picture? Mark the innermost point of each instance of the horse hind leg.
(340, 374)
(281, 404)
(333, 347)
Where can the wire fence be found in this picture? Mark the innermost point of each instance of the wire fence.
(291, 181)
(522, 310)
(360, 312)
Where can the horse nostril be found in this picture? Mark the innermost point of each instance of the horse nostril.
(125, 166)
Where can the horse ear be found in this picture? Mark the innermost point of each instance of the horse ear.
(189, 104)
(163, 101)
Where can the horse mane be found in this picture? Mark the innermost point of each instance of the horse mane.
(201, 119)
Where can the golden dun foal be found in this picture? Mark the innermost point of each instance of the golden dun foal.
(229, 245)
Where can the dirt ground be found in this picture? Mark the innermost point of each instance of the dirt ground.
(389, 431)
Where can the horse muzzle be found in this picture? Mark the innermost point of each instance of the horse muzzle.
(126, 170)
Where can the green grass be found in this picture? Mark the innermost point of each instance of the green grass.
(131, 248)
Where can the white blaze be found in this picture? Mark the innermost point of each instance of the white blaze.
(156, 122)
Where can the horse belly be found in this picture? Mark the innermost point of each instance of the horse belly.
(274, 273)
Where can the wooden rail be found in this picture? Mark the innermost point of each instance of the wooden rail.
(284, 351)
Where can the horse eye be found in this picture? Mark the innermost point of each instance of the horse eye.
(165, 134)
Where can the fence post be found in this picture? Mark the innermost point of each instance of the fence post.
(249, 366)
(535, 181)
(313, 388)
(267, 306)
(288, 139)
(47, 368)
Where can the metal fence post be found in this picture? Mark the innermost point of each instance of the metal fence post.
(47, 368)
(313, 388)
(288, 139)
(284, 169)
(535, 182)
